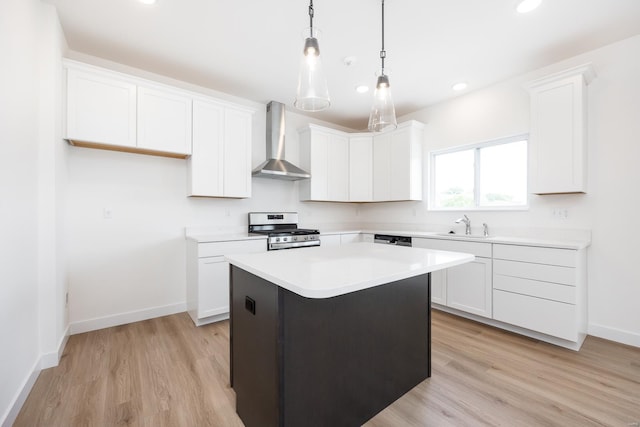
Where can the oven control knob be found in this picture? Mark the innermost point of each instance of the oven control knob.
(277, 239)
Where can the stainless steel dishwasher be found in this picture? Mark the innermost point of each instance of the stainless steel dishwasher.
(389, 239)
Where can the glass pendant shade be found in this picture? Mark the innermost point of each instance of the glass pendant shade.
(312, 93)
(383, 113)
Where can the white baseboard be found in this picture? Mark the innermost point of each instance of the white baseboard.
(124, 318)
(49, 360)
(613, 334)
(10, 416)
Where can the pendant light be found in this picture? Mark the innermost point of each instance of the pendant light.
(383, 113)
(312, 93)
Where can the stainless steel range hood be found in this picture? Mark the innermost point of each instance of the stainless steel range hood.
(276, 167)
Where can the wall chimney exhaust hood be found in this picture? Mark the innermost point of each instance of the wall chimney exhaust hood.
(276, 167)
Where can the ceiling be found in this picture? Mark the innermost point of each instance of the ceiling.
(252, 49)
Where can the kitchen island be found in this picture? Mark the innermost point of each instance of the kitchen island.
(330, 336)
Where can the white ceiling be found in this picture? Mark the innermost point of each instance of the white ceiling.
(252, 49)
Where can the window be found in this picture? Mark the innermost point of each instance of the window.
(489, 175)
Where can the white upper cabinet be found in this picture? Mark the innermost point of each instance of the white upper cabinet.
(558, 131)
(397, 163)
(382, 167)
(325, 155)
(220, 165)
(115, 111)
(164, 120)
(100, 109)
(361, 168)
(237, 152)
(206, 165)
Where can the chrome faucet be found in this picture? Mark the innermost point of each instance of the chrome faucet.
(467, 224)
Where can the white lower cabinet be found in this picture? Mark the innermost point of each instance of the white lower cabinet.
(532, 290)
(213, 297)
(208, 277)
(439, 287)
(466, 287)
(469, 287)
(366, 237)
(350, 238)
(330, 240)
(340, 239)
(541, 289)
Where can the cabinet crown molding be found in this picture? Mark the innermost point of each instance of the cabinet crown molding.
(587, 72)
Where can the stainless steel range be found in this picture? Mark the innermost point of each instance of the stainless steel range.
(282, 229)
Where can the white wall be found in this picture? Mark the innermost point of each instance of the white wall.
(133, 266)
(612, 202)
(51, 159)
(30, 45)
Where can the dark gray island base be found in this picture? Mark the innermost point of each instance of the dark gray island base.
(336, 361)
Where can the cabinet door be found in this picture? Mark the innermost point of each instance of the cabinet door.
(100, 109)
(237, 153)
(361, 169)
(338, 169)
(213, 286)
(439, 287)
(382, 167)
(350, 238)
(206, 164)
(164, 121)
(558, 132)
(367, 238)
(330, 240)
(469, 287)
(326, 154)
(399, 157)
(319, 152)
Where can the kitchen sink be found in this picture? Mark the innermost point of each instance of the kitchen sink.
(464, 236)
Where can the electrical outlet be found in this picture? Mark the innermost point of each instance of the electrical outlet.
(66, 299)
(560, 213)
(107, 213)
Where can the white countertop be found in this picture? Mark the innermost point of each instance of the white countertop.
(222, 237)
(507, 240)
(324, 272)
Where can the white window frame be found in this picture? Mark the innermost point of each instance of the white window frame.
(476, 179)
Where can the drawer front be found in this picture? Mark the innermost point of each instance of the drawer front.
(551, 256)
(542, 272)
(548, 317)
(534, 288)
(475, 248)
(231, 247)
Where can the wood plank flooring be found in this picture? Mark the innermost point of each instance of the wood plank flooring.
(167, 372)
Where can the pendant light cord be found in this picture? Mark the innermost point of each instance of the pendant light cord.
(311, 17)
(383, 53)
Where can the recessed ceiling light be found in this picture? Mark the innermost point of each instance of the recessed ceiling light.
(362, 88)
(528, 5)
(459, 86)
(147, 1)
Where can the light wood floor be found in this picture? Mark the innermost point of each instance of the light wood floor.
(166, 372)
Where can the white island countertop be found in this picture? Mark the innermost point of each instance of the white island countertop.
(325, 272)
